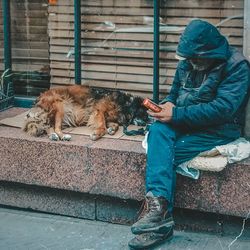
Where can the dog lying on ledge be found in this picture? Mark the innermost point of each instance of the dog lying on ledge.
(73, 106)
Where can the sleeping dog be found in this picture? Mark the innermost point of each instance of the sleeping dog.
(73, 106)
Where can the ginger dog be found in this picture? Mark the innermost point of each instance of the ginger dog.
(73, 106)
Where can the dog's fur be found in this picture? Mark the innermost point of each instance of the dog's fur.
(73, 106)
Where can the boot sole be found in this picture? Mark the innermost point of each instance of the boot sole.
(159, 242)
(155, 229)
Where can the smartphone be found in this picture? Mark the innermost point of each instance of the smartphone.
(151, 105)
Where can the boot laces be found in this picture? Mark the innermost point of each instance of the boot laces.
(150, 205)
(153, 204)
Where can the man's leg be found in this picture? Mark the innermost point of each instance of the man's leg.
(159, 180)
(155, 224)
(189, 146)
(160, 159)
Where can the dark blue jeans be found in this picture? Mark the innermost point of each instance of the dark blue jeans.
(167, 148)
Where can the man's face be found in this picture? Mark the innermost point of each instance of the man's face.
(201, 63)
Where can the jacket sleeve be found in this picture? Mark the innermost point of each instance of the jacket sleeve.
(230, 95)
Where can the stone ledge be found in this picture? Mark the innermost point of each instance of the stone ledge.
(113, 168)
(47, 200)
(109, 209)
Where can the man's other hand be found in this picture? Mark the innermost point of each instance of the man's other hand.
(165, 115)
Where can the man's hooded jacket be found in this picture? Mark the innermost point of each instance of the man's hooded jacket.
(215, 98)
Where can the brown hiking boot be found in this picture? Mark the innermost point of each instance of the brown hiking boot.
(154, 217)
(148, 240)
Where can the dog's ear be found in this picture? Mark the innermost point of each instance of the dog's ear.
(139, 111)
(123, 98)
(136, 103)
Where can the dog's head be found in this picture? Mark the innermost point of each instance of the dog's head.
(138, 112)
(131, 109)
(36, 122)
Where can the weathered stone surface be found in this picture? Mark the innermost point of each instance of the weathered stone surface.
(40, 162)
(47, 200)
(201, 194)
(193, 220)
(79, 165)
(234, 189)
(118, 167)
(116, 210)
(114, 168)
(225, 192)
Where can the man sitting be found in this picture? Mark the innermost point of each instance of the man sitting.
(205, 108)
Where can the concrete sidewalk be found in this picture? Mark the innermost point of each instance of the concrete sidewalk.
(24, 230)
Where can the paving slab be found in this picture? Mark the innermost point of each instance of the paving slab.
(25, 230)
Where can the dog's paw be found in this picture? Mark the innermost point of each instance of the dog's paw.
(94, 137)
(54, 137)
(66, 137)
(111, 131)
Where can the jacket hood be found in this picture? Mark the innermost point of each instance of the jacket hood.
(201, 39)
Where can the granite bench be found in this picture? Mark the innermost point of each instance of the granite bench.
(81, 177)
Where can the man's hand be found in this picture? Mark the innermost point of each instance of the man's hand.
(165, 115)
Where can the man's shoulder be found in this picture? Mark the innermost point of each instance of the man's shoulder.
(236, 58)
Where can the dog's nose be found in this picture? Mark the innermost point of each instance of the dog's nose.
(28, 115)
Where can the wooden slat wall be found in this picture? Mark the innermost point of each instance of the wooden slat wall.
(125, 60)
(30, 46)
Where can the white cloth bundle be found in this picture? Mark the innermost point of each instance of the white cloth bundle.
(215, 159)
